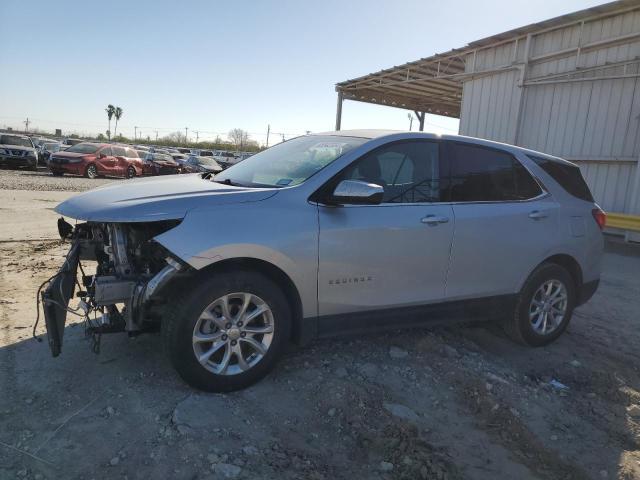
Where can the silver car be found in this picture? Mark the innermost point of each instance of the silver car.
(340, 232)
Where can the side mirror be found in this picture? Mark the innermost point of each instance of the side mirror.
(357, 192)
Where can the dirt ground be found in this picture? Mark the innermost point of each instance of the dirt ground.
(441, 403)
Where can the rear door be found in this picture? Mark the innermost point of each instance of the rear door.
(391, 255)
(505, 222)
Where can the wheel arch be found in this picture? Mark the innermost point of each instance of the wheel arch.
(275, 274)
(566, 261)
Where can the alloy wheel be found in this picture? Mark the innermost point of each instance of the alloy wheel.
(548, 307)
(131, 172)
(92, 171)
(233, 334)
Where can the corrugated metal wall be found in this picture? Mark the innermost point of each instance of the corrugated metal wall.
(594, 122)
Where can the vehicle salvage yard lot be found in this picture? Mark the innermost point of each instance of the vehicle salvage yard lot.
(443, 403)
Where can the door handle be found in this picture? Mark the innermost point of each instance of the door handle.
(537, 215)
(434, 219)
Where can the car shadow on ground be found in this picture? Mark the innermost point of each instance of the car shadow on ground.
(463, 401)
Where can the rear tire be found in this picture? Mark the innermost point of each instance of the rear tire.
(196, 312)
(131, 172)
(539, 318)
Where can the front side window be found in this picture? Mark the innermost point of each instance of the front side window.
(118, 151)
(289, 163)
(106, 151)
(409, 172)
(481, 174)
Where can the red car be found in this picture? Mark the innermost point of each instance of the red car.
(97, 159)
(160, 164)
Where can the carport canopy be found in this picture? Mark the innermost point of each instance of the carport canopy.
(428, 85)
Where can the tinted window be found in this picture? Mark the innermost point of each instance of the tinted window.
(487, 175)
(118, 151)
(409, 172)
(15, 140)
(106, 151)
(567, 175)
(131, 153)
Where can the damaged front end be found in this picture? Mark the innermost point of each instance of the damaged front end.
(126, 291)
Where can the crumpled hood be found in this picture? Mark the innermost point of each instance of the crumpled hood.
(63, 154)
(154, 199)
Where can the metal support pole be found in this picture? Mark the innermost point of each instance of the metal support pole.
(420, 116)
(339, 111)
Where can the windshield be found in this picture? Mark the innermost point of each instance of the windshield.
(289, 163)
(15, 140)
(83, 148)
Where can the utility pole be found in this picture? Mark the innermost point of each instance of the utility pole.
(186, 135)
(268, 130)
(197, 135)
(283, 137)
(26, 124)
(410, 120)
(135, 133)
(156, 135)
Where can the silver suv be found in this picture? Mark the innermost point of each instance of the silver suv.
(331, 233)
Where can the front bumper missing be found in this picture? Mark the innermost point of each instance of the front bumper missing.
(55, 298)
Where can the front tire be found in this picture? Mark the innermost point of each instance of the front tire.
(91, 171)
(226, 332)
(544, 306)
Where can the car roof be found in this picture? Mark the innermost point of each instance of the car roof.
(379, 133)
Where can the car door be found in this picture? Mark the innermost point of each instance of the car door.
(391, 255)
(505, 221)
(105, 161)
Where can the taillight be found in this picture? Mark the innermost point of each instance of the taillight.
(600, 217)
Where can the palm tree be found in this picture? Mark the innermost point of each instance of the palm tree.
(111, 110)
(117, 113)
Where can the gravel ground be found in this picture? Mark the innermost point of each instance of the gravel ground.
(43, 180)
(461, 402)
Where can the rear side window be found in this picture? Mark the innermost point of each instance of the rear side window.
(105, 151)
(481, 174)
(567, 175)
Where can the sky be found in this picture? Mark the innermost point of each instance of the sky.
(213, 65)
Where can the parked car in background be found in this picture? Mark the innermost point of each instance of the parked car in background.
(71, 141)
(18, 151)
(201, 153)
(224, 158)
(186, 151)
(47, 148)
(160, 164)
(96, 159)
(199, 164)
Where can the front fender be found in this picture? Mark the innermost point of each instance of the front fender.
(273, 231)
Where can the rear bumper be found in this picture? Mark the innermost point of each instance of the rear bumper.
(587, 290)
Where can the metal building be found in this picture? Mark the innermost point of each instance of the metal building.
(568, 86)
